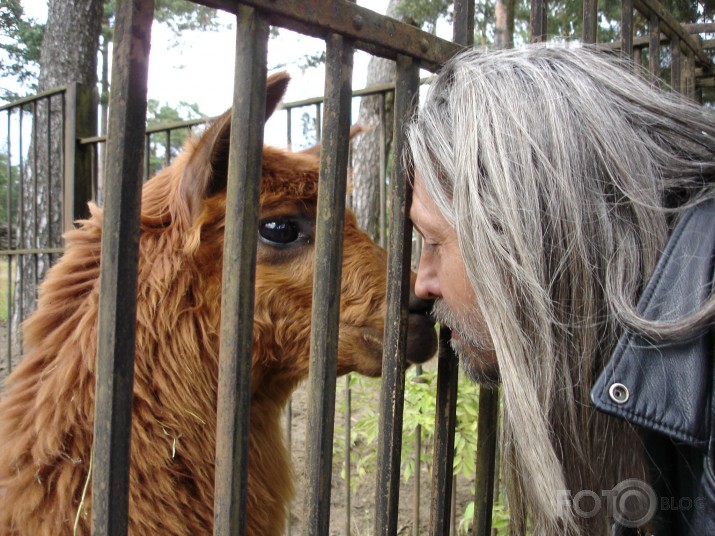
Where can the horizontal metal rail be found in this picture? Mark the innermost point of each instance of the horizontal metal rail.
(372, 32)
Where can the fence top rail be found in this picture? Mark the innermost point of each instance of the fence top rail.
(374, 33)
(673, 28)
(33, 98)
(176, 125)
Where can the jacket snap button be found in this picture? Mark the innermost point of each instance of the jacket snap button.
(619, 393)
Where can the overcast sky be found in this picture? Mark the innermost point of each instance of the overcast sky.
(199, 68)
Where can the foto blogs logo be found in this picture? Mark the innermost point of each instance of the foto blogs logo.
(631, 503)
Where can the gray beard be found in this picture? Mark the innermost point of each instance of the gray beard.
(474, 347)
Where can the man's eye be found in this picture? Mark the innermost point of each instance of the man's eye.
(281, 232)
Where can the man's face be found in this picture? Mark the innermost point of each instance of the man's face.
(442, 275)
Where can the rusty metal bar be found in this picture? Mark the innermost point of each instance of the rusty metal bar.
(445, 420)
(80, 117)
(118, 273)
(383, 173)
(463, 25)
(326, 282)
(486, 456)
(393, 357)
(239, 271)
(627, 28)
(372, 32)
(537, 21)
(590, 21)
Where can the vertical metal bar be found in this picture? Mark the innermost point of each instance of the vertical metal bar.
(638, 57)
(22, 259)
(463, 30)
(326, 282)
(147, 156)
(118, 273)
(590, 21)
(537, 21)
(688, 80)
(654, 46)
(348, 442)
(486, 455)
(627, 29)
(417, 492)
(9, 312)
(289, 127)
(383, 173)
(289, 443)
(447, 370)
(393, 358)
(239, 271)
(318, 123)
(35, 215)
(9, 240)
(9, 180)
(167, 145)
(70, 136)
(50, 242)
(676, 64)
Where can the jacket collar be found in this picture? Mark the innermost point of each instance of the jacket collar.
(665, 387)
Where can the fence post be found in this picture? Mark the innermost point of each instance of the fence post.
(393, 368)
(326, 284)
(80, 122)
(118, 274)
(590, 21)
(239, 272)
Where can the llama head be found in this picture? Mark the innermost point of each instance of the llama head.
(285, 258)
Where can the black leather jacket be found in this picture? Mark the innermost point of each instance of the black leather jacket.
(667, 389)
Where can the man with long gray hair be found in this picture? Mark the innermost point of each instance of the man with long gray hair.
(568, 218)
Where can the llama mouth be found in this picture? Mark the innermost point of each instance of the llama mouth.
(421, 338)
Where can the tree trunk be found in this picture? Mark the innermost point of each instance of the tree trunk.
(68, 54)
(366, 157)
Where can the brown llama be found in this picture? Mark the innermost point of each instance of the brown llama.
(46, 416)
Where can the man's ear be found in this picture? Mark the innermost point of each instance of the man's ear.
(207, 168)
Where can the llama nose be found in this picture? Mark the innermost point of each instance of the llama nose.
(418, 305)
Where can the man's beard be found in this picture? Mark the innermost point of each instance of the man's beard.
(471, 342)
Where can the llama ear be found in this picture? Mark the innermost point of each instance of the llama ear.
(207, 168)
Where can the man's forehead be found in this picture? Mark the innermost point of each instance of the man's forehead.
(424, 211)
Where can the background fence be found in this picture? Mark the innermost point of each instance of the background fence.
(85, 168)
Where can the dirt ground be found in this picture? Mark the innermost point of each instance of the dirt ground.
(362, 499)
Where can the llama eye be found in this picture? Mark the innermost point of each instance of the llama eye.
(282, 232)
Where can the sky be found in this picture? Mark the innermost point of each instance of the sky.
(199, 68)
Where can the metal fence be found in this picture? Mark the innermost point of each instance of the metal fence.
(344, 26)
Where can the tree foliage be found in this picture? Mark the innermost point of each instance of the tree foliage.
(20, 41)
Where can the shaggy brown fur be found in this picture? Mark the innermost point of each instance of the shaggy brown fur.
(46, 417)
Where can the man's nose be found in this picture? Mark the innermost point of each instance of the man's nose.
(427, 283)
(418, 304)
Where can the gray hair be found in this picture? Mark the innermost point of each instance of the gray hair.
(562, 171)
